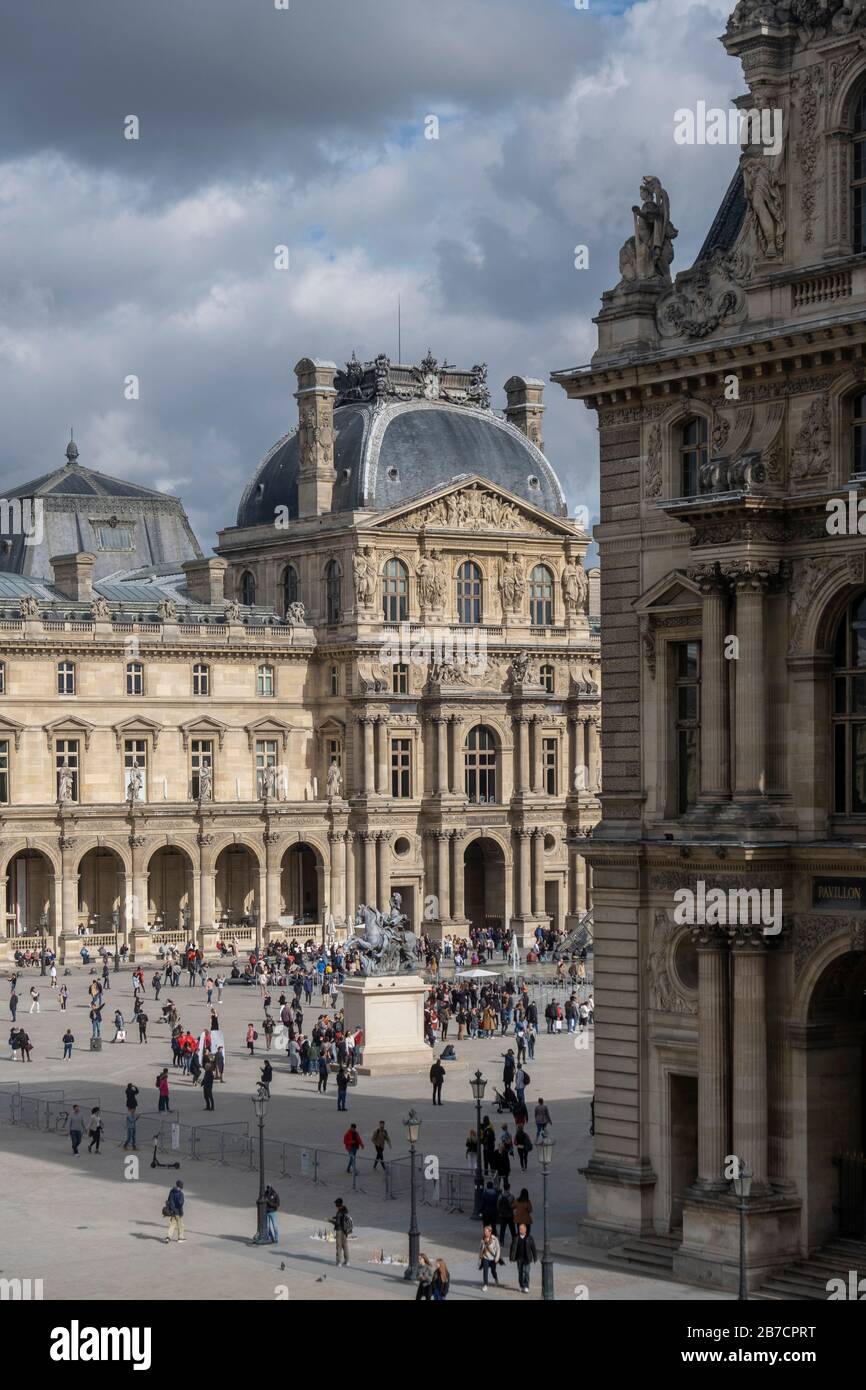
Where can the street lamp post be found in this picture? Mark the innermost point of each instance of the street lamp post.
(43, 927)
(115, 926)
(742, 1188)
(254, 918)
(545, 1154)
(260, 1105)
(412, 1125)
(478, 1084)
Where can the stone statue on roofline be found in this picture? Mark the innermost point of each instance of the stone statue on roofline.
(647, 256)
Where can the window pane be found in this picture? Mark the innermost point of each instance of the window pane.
(840, 685)
(858, 768)
(840, 768)
(687, 702)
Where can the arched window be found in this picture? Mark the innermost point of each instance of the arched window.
(849, 712)
(469, 593)
(546, 677)
(857, 406)
(333, 591)
(541, 597)
(395, 592)
(692, 455)
(480, 757)
(248, 587)
(858, 182)
(290, 587)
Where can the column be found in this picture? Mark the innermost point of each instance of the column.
(69, 890)
(593, 756)
(536, 756)
(383, 870)
(207, 880)
(715, 783)
(369, 756)
(441, 755)
(751, 745)
(459, 873)
(272, 880)
(521, 724)
(573, 782)
(712, 1058)
(524, 872)
(349, 865)
(443, 883)
(369, 838)
(750, 1055)
(337, 842)
(138, 917)
(456, 732)
(538, 874)
(383, 779)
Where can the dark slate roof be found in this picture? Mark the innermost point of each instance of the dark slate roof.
(426, 443)
(727, 221)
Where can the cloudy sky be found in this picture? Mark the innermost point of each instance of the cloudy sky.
(305, 127)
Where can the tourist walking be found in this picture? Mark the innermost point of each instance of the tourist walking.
(489, 1256)
(131, 1122)
(63, 995)
(342, 1089)
(425, 1279)
(524, 1255)
(441, 1282)
(251, 1039)
(94, 1130)
(542, 1118)
(343, 1227)
(34, 999)
(173, 1209)
(352, 1142)
(379, 1139)
(76, 1128)
(207, 1081)
(13, 1004)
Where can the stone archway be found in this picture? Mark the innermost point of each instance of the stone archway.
(101, 889)
(835, 1089)
(301, 883)
(484, 883)
(169, 888)
(29, 892)
(236, 890)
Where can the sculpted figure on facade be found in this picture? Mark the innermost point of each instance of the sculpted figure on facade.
(512, 584)
(430, 578)
(65, 782)
(167, 611)
(205, 783)
(296, 615)
(29, 607)
(335, 781)
(364, 574)
(99, 610)
(648, 254)
(765, 203)
(810, 457)
(575, 587)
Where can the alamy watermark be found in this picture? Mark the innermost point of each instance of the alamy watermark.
(719, 126)
(22, 516)
(729, 907)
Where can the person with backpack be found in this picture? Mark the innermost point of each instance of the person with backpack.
(524, 1254)
(272, 1202)
(343, 1228)
(252, 1035)
(173, 1209)
(437, 1077)
(521, 1081)
(523, 1146)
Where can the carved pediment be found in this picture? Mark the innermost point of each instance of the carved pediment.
(676, 592)
(475, 505)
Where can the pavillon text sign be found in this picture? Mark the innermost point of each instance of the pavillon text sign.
(839, 894)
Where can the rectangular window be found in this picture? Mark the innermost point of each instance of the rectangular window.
(687, 656)
(202, 757)
(335, 680)
(135, 769)
(2, 677)
(134, 678)
(549, 765)
(4, 772)
(200, 679)
(335, 752)
(65, 678)
(67, 768)
(115, 537)
(400, 678)
(265, 680)
(266, 757)
(401, 767)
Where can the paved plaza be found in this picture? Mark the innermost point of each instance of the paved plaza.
(90, 1231)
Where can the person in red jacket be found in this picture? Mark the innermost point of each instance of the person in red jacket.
(352, 1142)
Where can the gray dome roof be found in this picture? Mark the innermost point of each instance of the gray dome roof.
(388, 453)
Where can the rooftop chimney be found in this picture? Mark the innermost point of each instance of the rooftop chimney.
(73, 575)
(315, 396)
(205, 579)
(524, 408)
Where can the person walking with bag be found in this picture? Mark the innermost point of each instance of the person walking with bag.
(173, 1209)
(441, 1282)
(488, 1257)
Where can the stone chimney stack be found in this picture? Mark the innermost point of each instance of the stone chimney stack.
(205, 579)
(73, 575)
(315, 396)
(524, 408)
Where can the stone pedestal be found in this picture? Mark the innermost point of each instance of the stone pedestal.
(710, 1251)
(390, 1010)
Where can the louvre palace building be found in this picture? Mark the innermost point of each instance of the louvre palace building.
(386, 679)
(731, 406)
